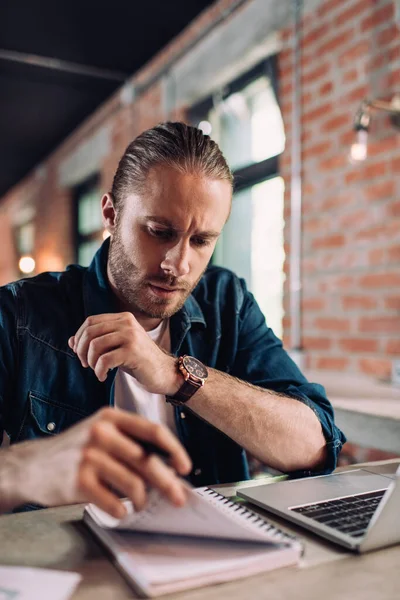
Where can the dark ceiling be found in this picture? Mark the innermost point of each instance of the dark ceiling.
(41, 105)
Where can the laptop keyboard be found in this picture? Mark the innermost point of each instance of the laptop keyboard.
(349, 515)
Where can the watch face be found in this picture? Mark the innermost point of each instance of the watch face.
(195, 367)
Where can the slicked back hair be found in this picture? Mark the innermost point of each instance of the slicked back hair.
(177, 145)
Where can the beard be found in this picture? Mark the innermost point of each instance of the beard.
(133, 289)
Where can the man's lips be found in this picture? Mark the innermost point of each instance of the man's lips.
(162, 290)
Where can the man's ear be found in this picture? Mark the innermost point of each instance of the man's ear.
(109, 213)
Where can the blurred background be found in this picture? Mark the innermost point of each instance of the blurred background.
(303, 98)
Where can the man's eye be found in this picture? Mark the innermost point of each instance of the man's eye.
(163, 234)
(199, 241)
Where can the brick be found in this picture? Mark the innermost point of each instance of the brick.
(335, 43)
(336, 201)
(316, 343)
(376, 257)
(356, 95)
(379, 324)
(395, 165)
(358, 345)
(387, 36)
(332, 363)
(358, 303)
(393, 347)
(394, 253)
(334, 162)
(379, 191)
(329, 241)
(317, 113)
(378, 367)
(385, 230)
(379, 147)
(378, 17)
(336, 122)
(326, 88)
(355, 10)
(392, 303)
(350, 76)
(354, 220)
(372, 170)
(317, 149)
(358, 50)
(318, 72)
(332, 324)
(313, 36)
(380, 280)
(393, 210)
(313, 304)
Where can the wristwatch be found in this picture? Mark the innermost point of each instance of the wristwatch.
(195, 375)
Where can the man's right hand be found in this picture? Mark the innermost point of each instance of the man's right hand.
(97, 460)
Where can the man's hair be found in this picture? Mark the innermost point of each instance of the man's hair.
(176, 145)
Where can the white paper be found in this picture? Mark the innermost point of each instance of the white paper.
(25, 583)
(202, 516)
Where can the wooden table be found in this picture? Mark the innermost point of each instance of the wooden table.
(56, 538)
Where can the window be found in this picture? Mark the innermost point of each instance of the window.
(89, 225)
(246, 121)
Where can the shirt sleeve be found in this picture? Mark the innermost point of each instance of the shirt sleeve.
(8, 352)
(262, 361)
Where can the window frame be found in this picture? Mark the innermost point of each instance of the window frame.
(78, 192)
(255, 172)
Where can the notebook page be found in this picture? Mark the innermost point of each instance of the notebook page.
(202, 516)
(160, 561)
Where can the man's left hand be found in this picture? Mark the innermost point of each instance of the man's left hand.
(107, 341)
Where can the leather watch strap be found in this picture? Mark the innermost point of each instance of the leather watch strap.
(185, 392)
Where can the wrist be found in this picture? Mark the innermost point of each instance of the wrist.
(14, 488)
(175, 379)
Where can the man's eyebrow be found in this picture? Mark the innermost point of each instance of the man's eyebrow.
(167, 223)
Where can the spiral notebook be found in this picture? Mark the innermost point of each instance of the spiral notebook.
(164, 549)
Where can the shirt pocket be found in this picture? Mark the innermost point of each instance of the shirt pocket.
(46, 416)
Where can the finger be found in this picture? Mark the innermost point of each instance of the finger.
(106, 436)
(92, 333)
(109, 360)
(106, 344)
(139, 428)
(116, 474)
(159, 475)
(96, 320)
(100, 495)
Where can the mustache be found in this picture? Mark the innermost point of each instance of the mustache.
(171, 281)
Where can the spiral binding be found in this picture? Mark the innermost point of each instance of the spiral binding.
(252, 517)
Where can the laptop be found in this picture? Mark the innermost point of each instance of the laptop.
(357, 509)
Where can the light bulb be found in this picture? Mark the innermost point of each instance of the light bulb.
(26, 264)
(205, 127)
(358, 151)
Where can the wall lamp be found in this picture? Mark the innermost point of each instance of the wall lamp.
(362, 122)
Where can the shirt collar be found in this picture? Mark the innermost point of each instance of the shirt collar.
(98, 297)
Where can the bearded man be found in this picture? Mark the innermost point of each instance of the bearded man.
(150, 344)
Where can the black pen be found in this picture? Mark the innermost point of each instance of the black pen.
(151, 448)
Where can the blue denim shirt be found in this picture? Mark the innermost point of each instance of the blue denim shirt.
(44, 389)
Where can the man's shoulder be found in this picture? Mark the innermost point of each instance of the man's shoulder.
(49, 280)
(45, 291)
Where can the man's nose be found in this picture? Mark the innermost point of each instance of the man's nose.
(176, 260)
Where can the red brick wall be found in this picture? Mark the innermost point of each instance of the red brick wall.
(351, 213)
(351, 242)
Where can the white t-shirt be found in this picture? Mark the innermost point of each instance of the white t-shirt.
(130, 395)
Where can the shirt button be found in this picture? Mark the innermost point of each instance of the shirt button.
(51, 426)
(182, 415)
(197, 472)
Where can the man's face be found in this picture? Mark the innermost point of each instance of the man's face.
(164, 238)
